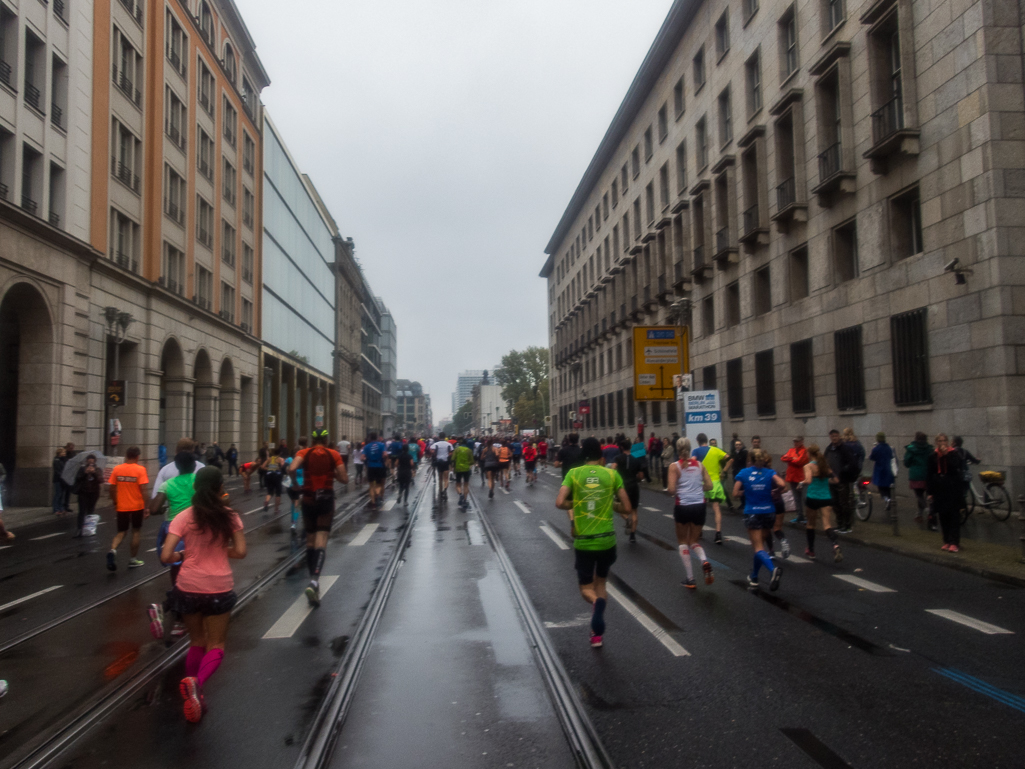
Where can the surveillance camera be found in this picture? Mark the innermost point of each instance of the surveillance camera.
(951, 265)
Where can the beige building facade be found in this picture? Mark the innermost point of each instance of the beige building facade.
(829, 195)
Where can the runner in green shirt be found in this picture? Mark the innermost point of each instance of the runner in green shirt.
(712, 458)
(591, 493)
(176, 492)
(462, 465)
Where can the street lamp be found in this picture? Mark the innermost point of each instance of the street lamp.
(117, 323)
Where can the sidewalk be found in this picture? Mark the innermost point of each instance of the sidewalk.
(978, 554)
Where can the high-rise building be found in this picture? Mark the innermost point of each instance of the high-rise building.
(348, 303)
(823, 194)
(370, 361)
(389, 367)
(489, 408)
(464, 388)
(412, 415)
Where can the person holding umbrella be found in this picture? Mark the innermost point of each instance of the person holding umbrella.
(88, 483)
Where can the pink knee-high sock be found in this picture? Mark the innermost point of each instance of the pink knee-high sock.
(211, 661)
(192, 660)
(699, 553)
(687, 565)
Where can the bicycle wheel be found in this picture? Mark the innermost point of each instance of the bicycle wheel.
(970, 501)
(863, 504)
(1000, 501)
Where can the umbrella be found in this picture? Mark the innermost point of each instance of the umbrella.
(72, 465)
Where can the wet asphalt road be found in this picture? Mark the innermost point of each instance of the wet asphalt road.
(824, 673)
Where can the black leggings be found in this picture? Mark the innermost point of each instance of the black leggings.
(86, 506)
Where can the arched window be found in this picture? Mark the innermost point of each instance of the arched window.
(229, 63)
(206, 22)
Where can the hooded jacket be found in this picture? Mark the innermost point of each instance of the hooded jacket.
(945, 477)
(915, 456)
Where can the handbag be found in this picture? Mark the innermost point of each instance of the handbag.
(894, 466)
(789, 502)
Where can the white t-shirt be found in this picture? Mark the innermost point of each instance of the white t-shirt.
(343, 448)
(167, 472)
(441, 450)
(357, 458)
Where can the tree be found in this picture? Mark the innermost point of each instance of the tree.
(529, 412)
(462, 420)
(524, 374)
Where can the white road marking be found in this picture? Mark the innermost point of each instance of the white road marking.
(741, 540)
(648, 624)
(293, 617)
(502, 489)
(522, 506)
(47, 536)
(361, 538)
(152, 550)
(581, 621)
(963, 619)
(554, 537)
(667, 515)
(389, 505)
(6, 547)
(796, 559)
(7, 606)
(864, 583)
(652, 509)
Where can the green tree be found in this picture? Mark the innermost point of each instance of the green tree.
(529, 411)
(524, 374)
(462, 420)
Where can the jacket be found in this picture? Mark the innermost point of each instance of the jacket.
(668, 454)
(881, 456)
(842, 462)
(945, 477)
(915, 455)
(88, 485)
(859, 453)
(795, 460)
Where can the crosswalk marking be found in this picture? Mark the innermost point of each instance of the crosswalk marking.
(554, 537)
(864, 583)
(30, 597)
(647, 623)
(522, 506)
(964, 619)
(293, 617)
(365, 534)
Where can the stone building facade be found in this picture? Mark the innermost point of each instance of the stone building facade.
(348, 303)
(829, 194)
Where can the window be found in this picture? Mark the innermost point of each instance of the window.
(177, 45)
(626, 231)
(663, 123)
(204, 222)
(635, 162)
(663, 185)
(681, 166)
(623, 176)
(762, 291)
(615, 241)
(248, 97)
(722, 35)
(833, 14)
(206, 22)
(678, 104)
(649, 199)
(699, 69)
(735, 388)
(615, 193)
(906, 224)
(248, 154)
(619, 356)
(799, 278)
(910, 349)
(247, 263)
(708, 381)
(701, 142)
(174, 269)
(605, 206)
(845, 252)
(671, 413)
(753, 72)
(765, 384)
(227, 244)
(850, 370)
(649, 144)
(827, 95)
(229, 183)
(733, 304)
(590, 228)
(708, 315)
(750, 9)
(174, 195)
(630, 405)
(802, 377)
(124, 245)
(788, 43)
(205, 88)
(247, 315)
(725, 117)
(619, 407)
(176, 119)
(127, 69)
(230, 66)
(126, 156)
(248, 207)
(637, 218)
(227, 303)
(230, 122)
(205, 156)
(886, 74)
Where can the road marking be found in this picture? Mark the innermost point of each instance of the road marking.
(522, 506)
(552, 536)
(7, 606)
(581, 621)
(963, 619)
(152, 550)
(389, 505)
(6, 547)
(293, 617)
(647, 623)
(47, 536)
(651, 509)
(797, 559)
(364, 535)
(741, 540)
(502, 489)
(864, 583)
(980, 686)
(667, 515)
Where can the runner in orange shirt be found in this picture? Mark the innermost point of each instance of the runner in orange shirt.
(128, 483)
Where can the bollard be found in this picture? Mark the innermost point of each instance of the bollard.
(1021, 520)
(893, 516)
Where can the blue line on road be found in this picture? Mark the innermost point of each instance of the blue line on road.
(980, 686)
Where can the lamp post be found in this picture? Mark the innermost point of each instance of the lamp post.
(117, 323)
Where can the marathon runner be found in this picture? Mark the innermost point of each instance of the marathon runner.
(569, 455)
(462, 464)
(689, 480)
(756, 483)
(273, 472)
(128, 490)
(590, 493)
(629, 468)
(491, 465)
(177, 493)
(504, 462)
(373, 458)
(321, 467)
(542, 452)
(213, 534)
(711, 457)
(819, 499)
(442, 450)
(296, 483)
(530, 462)
(517, 454)
(394, 449)
(344, 449)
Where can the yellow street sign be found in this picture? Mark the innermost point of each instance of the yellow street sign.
(660, 352)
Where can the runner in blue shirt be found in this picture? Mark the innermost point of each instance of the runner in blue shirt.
(373, 457)
(756, 483)
(517, 451)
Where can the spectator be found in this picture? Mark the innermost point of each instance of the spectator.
(795, 459)
(945, 486)
(916, 454)
(855, 446)
(655, 455)
(232, 457)
(843, 463)
(88, 485)
(668, 457)
(637, 451)
(883, 466)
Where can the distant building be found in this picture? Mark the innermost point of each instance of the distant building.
(370, 360)
(412, 410)
(488, 408)
(464, 388)
(389, 366)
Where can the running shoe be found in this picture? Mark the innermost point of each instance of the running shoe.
(313, 594)
(752, 581)
(178, 630)
(718, 538)
(689, 584)
(135, 563)
(953, 549)
(707, 568)
(945, 547)
(809, 552)
(798, 519)
(786, 547)
(837, 555)
(596, 642)
(189, 688)
(4, 688)
(491, 494)
(156, 621)
(112, 560)
(266, 505)
(633, 537)
(774, 581)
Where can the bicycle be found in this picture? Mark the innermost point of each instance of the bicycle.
(863, 499)
(993, 498)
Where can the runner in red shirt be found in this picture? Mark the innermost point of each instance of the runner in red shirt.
(542, 453)
(530, 463)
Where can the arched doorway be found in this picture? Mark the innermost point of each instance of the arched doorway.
(228, 405)
(175, 397)
(204, 399)
(27, 429)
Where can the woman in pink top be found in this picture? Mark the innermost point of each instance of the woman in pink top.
(203, 595)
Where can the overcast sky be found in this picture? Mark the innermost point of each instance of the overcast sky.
(446, 137)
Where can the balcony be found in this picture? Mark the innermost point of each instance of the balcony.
(124, 174)
(700, 270)
(246, 327)
(832, 176)
(206, 170)
(202, 301)
(890, 136)
(122, 259)
(725, 250)
(3, 191)
(635, 307)
(176, 213)
(787, 207)
(228, 258)
(56, 116)
(33, 97)
(663, 287)
(55, 219)
(5, 74)
(29, 205)
(227, 315)
(127, 87)
(58, 10)
(754, 233)
(175, 287)
(622, 314)
(681, 280)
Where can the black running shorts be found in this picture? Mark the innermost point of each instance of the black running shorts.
(462, 476)
(207, 604)
(272, 483)
(133, 517)
(441, 465)
(593, 563)
(817, 504)
(376, 474)
(529, 465)
(318, 512)
(690, 514)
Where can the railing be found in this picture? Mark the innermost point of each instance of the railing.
(202, 302)
(206, 170)
(206, 103)
(247, 164)
(227, 315)
(58, 9)
(829, 161)
(888, 119)
(247, 219)
(786, 193)
(133, 8)
(29, 204)
(175, 133)
(56, 115)
(32, 96)
(127, 87)
(722, 240)
(176, 61)
(230, 196)
(204, 237)
(173, 211)
(174, 286)
(228, 258)
(3, 191)
(55, 219)
(123, 260)
(247, 273)
(124, 174)
(230, 134)
(678, 274)
(751, 219)
(246, 327)
(699, 257)
(5, 73)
